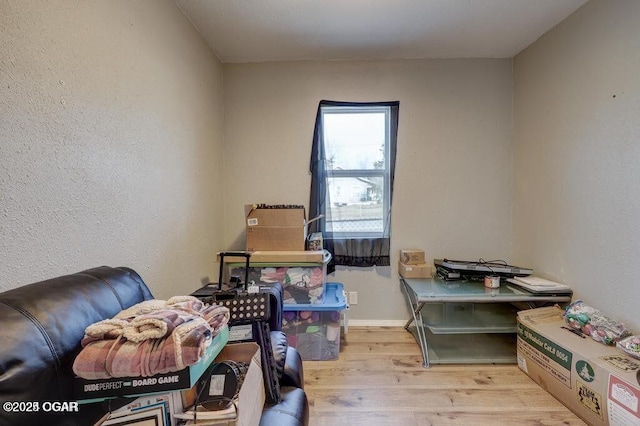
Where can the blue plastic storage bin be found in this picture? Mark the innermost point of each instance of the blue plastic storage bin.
(314, 329)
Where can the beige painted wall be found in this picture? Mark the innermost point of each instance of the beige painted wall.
(577, 156)
(110, 142)
(453, 176)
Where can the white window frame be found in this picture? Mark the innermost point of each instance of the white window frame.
(385, 172)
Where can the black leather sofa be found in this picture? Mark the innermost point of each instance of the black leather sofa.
(41, 326)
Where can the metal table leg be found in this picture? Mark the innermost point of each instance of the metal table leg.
(416, 311)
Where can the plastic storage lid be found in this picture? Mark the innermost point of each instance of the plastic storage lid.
(333, 301)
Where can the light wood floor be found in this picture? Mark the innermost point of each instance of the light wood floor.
(379, 380)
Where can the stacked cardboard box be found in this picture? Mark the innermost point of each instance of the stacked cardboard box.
(271, 227)
(598, 383)
(412, 264)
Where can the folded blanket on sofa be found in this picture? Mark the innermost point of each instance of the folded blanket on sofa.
(120, 357)
(110, 328)
(152, 337)
(187, 304)
(154, 325)
(155, 319)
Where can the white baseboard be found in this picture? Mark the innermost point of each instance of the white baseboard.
(376, 323)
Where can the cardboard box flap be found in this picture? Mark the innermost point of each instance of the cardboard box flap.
(275, 227)
(274, 216)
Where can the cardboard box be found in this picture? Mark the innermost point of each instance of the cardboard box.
(251, 396)
(87, 391)
(412, 256)
(275, 228)
(597, 382)
(275, 238)
(422, 270)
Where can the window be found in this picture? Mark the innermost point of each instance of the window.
(352, 168)
(356, 145)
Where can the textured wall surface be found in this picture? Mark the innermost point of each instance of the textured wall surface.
(452, 193)
(110, 142)
(111, 150)
(577, 156)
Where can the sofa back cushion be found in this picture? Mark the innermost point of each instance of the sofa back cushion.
(41, 326)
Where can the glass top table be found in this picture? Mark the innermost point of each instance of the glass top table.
(435, 289)
(482, 320)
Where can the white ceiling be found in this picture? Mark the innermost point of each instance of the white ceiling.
(289, 30)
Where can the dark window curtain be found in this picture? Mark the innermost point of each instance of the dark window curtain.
(359, 251)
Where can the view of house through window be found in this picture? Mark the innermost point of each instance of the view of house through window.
(356, 145)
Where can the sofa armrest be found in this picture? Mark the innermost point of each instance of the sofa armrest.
(293, 410)
(293, 374)
(42, 326)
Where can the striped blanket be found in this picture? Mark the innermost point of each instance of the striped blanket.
(150, 338)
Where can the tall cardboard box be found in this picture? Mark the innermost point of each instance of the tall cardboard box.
(597, 382)
(275, 228)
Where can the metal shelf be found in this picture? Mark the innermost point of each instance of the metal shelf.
(464, 318)
(464, 322)
(470, 348)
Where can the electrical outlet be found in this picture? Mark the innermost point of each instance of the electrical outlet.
(353, 297)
